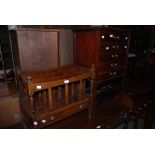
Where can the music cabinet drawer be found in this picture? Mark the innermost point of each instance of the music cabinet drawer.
(108, 47)
(113, 65)
(57, 115)
(113, 36)
(112, 57)
(110, 74)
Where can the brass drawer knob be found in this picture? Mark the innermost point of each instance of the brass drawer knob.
(52, 118)
(35, 123)
(111, 35)
(107, 48)
(112, 65)
(98, 127)
(43, 121)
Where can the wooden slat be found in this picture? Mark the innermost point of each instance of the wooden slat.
(80, 90)
(73, 89)
(50, 97)
(44, 96)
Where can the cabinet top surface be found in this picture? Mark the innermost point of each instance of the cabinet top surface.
(54, 74)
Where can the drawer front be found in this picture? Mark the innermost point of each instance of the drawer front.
(110, 74)
(112, 57)
(113, 36)
(52, 117)
(115, 65)
(109, 47)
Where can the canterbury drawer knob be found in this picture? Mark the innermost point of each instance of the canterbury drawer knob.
(113, 46)
(98, 127)
(52, 118)
(115, 64)
(118, 37)
(114, 73)
(126, 38)
(102, 37)
(116, 55)
(112, 65)
(107, 48)
(112, 56)
(111, 73)
(81, 106)
(117, 46)
(125, 46)
(35, 123)
(43, 121)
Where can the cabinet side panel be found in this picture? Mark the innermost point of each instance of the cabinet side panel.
(85, 48)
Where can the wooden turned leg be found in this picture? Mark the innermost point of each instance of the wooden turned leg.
(32, 104)
(66, 92)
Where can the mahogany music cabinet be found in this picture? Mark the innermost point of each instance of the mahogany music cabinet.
(52, 95)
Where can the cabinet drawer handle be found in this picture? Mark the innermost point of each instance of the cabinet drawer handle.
(115, 64)
(114, 73)
(125, 46)
(52, 118)
(126, 38)
(102, 37)
(107, 48)
(111, 35)
(112, 65)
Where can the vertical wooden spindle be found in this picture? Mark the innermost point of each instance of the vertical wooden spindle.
(84, 88)
(44, 96)
(50, 97)
(66, 92)
(73, 89)
(80, 90)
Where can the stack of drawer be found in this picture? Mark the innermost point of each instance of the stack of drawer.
(112, 54)
(106, 48)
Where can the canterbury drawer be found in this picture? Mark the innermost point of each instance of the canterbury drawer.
(113, 36)
(57, 115)
(112, 56)
(107, 47)
(111, 74)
